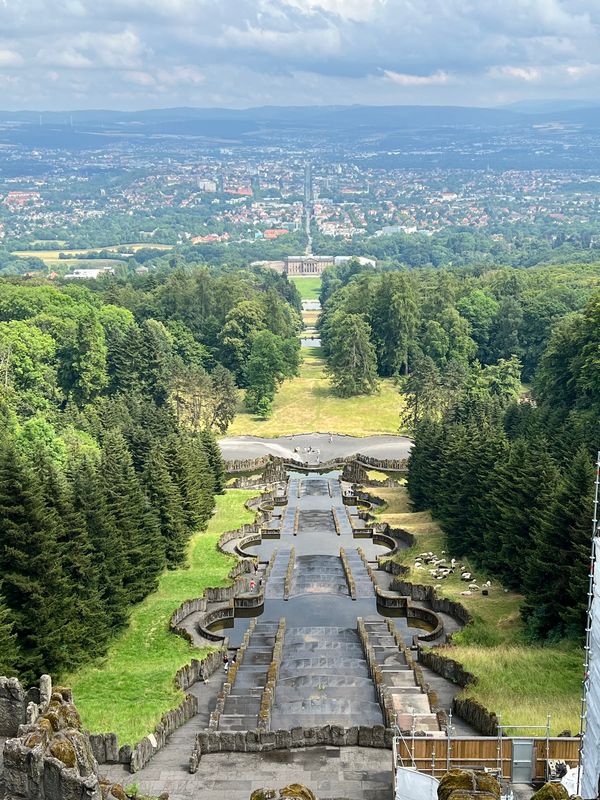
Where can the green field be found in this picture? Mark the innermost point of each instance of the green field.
(521, 682)
(132, 687)
(52, 256)
(306, 404)
(309, 288)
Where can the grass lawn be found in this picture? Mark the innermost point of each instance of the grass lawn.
(306, 404)
(132, 687)
(519, 681)
(309, 288)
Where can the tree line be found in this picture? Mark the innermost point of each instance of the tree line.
(110, 398)
(512, 482)
(379, 324)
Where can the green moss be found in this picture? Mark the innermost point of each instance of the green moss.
(63, 750)
(551, 791)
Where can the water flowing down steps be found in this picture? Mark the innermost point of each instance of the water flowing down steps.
(324, 679)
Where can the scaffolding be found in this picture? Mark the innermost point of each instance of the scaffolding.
(589, 755)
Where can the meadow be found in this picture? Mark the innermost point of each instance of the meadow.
(307, 404)
(520, 681)
(128, 690)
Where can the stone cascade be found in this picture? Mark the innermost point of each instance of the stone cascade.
(243, 695)
(320, 575)
(403, 700)
(324, 679)
(276, 583)
(363, 586)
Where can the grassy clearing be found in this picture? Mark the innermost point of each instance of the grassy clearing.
(519, 681)
(53, 255)
(307, 404)
(309, 288)
(128, 691)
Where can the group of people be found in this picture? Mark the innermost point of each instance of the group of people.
(227, 662)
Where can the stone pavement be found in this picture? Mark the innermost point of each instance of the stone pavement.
(352, 773)
(321, 448)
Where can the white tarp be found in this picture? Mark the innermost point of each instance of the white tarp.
(590, 770)
(413, 785)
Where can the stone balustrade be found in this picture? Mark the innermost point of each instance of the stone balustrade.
(268, 695)
(348, 573)
(258, 741)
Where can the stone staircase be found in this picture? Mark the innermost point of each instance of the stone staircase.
(319, 575)
(275, 588)
(404, 702)
(363, 584)
(324, 678)
(242, 700)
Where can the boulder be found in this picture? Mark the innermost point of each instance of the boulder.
(551, 791)
(467, 782)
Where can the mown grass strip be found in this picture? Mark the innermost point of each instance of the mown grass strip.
(132, 687)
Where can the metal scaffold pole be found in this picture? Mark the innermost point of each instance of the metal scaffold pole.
(588, 629)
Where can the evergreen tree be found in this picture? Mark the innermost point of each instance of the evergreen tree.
(133, 517)
(9, 648)
(167, 502)
(520, 485)
(215, 460)
(87, 622)
(34, 586)
(108, 545)
(352, 365)
(579, 481)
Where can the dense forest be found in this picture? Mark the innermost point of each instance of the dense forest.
(111, 396)
(506, 469)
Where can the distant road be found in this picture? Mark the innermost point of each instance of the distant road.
(297, 447)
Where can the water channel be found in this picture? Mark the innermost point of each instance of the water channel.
(324, 674)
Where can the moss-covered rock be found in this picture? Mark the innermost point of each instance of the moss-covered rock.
(263, 794)
(465, 794)
(467, 780)
(62, 749)
(298, 792)
(551, 791)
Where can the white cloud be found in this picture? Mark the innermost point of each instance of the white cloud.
(404, 79)
(10, 58)
(528, 74)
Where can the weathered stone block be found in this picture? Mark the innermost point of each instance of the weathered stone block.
(267, 740)
(297, 737)
(227, 741)
(338, 735)
(378, 736)
(125, 754)
(365, 736)
(352, 736)
(283, 739)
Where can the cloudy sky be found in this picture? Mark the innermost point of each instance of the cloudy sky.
(132, 54)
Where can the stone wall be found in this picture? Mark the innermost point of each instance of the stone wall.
(427, 594)
(466, 708)
(13, 706)
(263, 741)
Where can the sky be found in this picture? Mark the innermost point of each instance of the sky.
(134, 54)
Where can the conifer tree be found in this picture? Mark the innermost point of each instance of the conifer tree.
(520, 483)
(9, 649)
(215, 460)
(87, 621)
(167, 502)
(190, 469)
(579, 479)
(33, 583)
(108, 546)
(133, 517)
